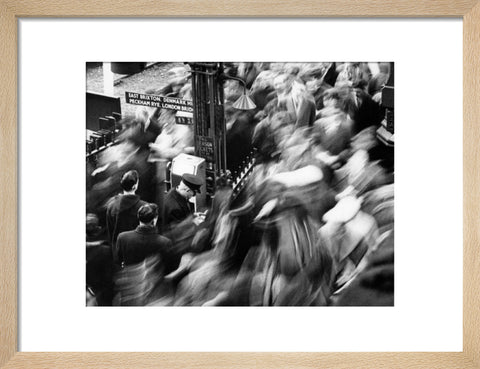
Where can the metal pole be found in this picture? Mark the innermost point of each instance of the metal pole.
(107, 79)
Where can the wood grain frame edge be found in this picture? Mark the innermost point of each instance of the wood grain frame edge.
(10, 358)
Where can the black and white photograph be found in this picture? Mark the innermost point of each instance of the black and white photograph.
(240, 183)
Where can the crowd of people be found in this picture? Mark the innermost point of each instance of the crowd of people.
(314, 225)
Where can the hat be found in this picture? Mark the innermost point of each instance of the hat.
(147, 213)
(192, 181)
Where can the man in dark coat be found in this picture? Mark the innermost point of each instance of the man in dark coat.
(135, 246)
(177, 205)
(122, 209)
(144, 257)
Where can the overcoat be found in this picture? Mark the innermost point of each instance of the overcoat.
(177, 208)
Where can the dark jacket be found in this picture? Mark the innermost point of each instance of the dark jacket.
(135, 246)
(177, 208)
(239, 141)
(99, 271)
(369, 112)
(122, 215)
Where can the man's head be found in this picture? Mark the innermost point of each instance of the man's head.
(148, 214)
(282, 84)
(129, 181)
(189, 185)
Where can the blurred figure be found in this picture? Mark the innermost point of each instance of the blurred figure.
(314, 79)
(122, 209)
(374, 284)
(351, 236)
(240, 127)
(210, 278)
(284, 263)
(364, 111)
(177, 204)
(232, 91)
(294, 268)
(368, 112)
(268, 137)
(351, 73)
(360, 175)
(282, 128)
(294, 99)
(248, 72)
(337, 99)
(296, 150)
(177, 86)
(379, 203)
(174, 139)
(378, 80)
(129, 153)
(332, 133)
(143, 255)
(99, 268)
(264, 142)
(262, 91)
(177, 79)
(136, 130)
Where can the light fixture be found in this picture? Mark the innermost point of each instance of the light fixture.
(244, 102)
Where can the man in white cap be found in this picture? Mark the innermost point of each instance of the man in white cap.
(177, 205)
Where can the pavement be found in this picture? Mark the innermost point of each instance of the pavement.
(153, 76)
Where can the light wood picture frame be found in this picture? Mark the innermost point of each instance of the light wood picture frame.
(12, 10)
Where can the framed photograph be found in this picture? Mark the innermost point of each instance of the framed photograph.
(255, 124)
(286, 201)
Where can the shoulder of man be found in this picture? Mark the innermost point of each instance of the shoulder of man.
(113, 201)
(172, 197)
(171, 192)
(124, 236)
